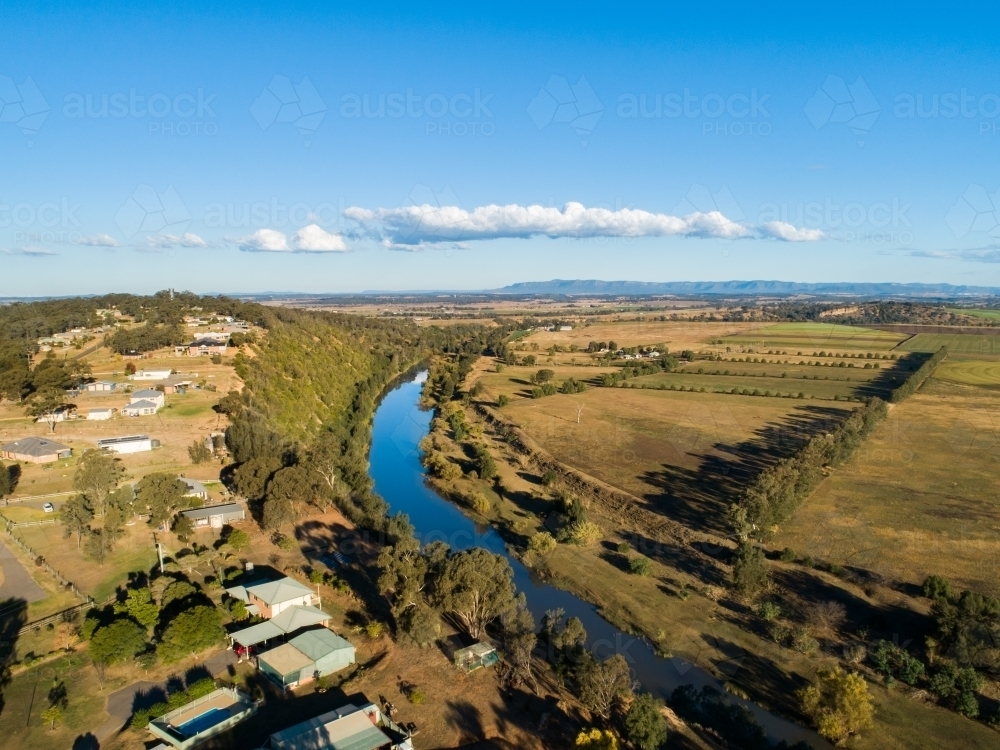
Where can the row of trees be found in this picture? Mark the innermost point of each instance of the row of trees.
(778, 490)
(916, 378)
(145, 338)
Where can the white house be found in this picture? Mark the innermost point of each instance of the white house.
(140, 409)
(152, 375)
(270, 598)
(129, 444)
(99, 415)
(148, 394)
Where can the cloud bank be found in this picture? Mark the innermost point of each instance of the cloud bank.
(416, 225)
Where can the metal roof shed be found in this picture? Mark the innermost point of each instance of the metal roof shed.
(475, 656)
(262, 631)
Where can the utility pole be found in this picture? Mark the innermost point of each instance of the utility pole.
(159, 552)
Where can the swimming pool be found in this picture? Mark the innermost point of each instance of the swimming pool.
(204, 721)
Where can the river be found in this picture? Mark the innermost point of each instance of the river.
(395, 467)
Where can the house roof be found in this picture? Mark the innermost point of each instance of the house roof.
(146, 393)
(258, 633)
(276, 592)
(347, 728)
(318, 643)
(288, 621)
(100, 411)
(214, 510)
(104, 442)
(294, 618)
(194, 487)
(102, 382)
(285, 659)
(35, 446)
(142, 404)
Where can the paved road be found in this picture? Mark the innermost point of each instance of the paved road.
(17, 582)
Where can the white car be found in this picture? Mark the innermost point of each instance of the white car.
(48, 507)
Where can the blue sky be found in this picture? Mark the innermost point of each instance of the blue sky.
(299, 148)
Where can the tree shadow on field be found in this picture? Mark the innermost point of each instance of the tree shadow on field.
(467, 719)
(699, 499)
(13, 616)
(763, 679)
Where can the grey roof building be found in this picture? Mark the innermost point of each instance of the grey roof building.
(35, 450)
(215, 516)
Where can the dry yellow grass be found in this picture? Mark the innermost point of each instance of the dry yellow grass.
(185, 418)
(920, 497)
(687, 454)
(677, 335)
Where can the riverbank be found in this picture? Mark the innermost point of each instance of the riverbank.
(685, 610)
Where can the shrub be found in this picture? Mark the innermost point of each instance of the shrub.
(541, 543)
(502, 400)
(787, 555)
(549, 477)
(585, 532)
(937, 587)
(623, 548)
(768, 611)
(416, 696)
(374, 630)
(288, 543)
(640, 566)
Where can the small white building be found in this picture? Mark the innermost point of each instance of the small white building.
(100, 415)
(128, 444)
(152, 375)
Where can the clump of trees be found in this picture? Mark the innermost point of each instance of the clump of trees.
(145, 338)
(839, 704)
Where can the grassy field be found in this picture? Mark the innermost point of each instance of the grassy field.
(957, 343)
(676, 335)
(817, 336)
(987, 314)
(920, 497)
(681, 606)
(684, 453)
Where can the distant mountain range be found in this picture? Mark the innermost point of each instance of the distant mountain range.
(587, 287)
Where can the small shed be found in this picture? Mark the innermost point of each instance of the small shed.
(475, 656)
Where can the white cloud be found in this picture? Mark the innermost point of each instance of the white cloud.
(160, 241)
(309, 239)
(314, 239)
(990, 254)
(32, 251)
(416, 225)
(99, 240)
(782, 230)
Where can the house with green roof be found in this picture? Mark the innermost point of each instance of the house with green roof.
(307, 656)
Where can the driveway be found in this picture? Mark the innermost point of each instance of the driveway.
(17, 582)
(143, 694)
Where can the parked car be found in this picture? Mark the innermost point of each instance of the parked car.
(48, 507)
